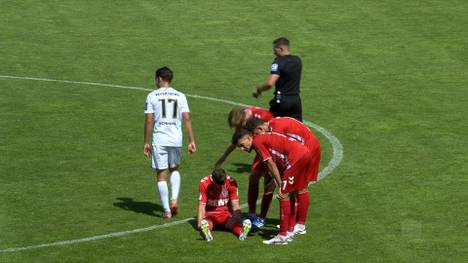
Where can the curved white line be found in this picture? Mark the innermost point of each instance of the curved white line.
(334, 162)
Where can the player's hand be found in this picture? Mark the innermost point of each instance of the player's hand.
(280, 195)
(147, 150)
(192, 147)
(256, 93)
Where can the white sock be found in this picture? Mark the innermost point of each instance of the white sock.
(164, 194)
(175, 184)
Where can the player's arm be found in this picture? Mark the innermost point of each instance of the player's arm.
(234, 198)
(236, 210)
(223, 157)
(188, 125)
(201, 213)
(270, 164)
(148, 131)
(270, 82)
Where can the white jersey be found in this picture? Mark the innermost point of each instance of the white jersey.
(167, 105)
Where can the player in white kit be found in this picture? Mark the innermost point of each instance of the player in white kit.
(165, 108)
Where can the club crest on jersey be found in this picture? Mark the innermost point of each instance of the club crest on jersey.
(274, 67)
(224, 192)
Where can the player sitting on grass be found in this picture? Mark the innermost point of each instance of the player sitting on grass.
(218, 205)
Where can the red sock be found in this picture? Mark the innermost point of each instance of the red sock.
(303, 206)
(285, 211)
(266, 202)
(252, 197)
(237, 229)
(292, 215)
(210, 225)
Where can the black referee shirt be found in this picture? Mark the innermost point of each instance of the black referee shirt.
(289, 69)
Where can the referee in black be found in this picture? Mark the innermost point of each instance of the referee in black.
(285, 74)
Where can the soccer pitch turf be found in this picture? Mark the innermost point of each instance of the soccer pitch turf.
(388, 79)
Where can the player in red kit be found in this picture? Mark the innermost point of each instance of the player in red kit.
(301, 133)
(218, 205)
(289, 162)
(237, 118)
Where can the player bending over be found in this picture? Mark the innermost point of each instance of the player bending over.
(218, 205)
(298, 131)
(289, 162)
(237, 118)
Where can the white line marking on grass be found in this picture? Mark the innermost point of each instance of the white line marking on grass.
(334, 162)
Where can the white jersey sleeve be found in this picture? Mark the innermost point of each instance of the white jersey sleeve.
(149, 104)
(183, 104)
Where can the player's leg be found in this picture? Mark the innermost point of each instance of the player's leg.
(163, 191)
(303, 203)
(282, 238)
(252, 196)
(239, 229)
(174, 161)
(292, 215)
(268, 189)
(159, 162)
(303, 199)
(206, 227)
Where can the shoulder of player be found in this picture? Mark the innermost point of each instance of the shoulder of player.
(231, 181)
(205, 180)
(166, 91)
(268, 135)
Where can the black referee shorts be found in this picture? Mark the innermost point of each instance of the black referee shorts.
(287, 106)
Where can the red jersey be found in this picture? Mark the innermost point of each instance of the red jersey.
(296, 130)
(216, 197)
(260, 113)
(284, 151)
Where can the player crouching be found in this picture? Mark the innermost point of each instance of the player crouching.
(218, 205)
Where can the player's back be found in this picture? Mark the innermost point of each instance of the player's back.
(294, 129)
(167, 105)
(262, 114)
(289, 68)
(283, 150)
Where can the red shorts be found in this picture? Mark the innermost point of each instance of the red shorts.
(218, 217)
(296, 178)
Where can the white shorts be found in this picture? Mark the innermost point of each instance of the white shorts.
(164, 157)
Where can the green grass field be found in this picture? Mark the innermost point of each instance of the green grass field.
(389, 79)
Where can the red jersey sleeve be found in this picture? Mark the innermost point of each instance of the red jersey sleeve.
(259, 146)
(202, 198)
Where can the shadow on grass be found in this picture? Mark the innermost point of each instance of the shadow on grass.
(142, 207)
(241, 168)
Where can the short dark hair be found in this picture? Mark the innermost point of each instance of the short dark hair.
(239, 134)
(218, 176)
(281, 41)
(164, 73)
(253, 123)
